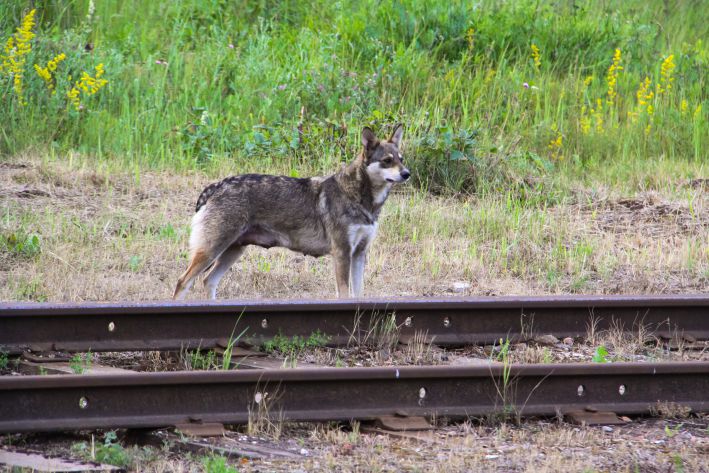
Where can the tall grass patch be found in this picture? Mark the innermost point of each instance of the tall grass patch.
(495, 95)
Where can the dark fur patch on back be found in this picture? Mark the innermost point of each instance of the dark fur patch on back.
(206, 194)
(243, 179)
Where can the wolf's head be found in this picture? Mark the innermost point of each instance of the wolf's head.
(383, 160)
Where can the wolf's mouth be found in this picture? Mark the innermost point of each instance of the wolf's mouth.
(390, 180)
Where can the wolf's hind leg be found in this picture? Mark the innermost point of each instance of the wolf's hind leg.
(199, 261)
(220, 267)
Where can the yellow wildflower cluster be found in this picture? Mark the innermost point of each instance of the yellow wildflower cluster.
(597, 115)
(644, 95)
(87, 85)
(587, 81)
(612, 76)
(16, 48)
(47, 73)
(490, 75)
(536, 56)
(585, 122)
(470, 37)
(666, 71)
(555, 146)
(684, 106)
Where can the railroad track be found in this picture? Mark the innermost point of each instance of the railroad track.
(460, 321)
(47, 403)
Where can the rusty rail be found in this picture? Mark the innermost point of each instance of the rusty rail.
(48, 403)
(452, 321)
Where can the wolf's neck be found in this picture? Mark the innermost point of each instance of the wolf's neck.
(357, 185)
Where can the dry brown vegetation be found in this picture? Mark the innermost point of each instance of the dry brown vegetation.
(124, 236)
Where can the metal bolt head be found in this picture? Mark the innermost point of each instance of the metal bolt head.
(111, 326)
(83, 402)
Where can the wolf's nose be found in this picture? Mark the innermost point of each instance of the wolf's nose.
(405, 174)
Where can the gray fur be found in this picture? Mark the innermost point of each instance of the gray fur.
(315, 216)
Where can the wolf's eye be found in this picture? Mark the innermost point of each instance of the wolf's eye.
(387, 161)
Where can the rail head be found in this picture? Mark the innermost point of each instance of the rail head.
(237, 306)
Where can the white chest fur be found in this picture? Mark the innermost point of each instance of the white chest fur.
(361, 234)
(380, 195)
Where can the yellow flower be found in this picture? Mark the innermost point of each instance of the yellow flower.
(666, 72)
(697, 112)
(612, 76)
(470, 37)
(684, 106)
(644, 94)
(90, 85)
(587, 81)
(556, 142)
(46, 72)
(16, 48)
(536, 56)
(489, 75)
(597, 115)
(584, 121)
(73, 96)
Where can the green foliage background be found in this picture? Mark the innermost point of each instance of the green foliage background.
(214, 83)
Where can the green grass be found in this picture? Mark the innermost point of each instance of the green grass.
(217, 464)
(111, 452)
(211, 84)
(80, 363)
(291, 347)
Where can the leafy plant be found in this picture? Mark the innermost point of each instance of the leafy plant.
(20, 244)
(600, 356)
(80, 363)
(110, 451)
(134, 263)
(4, 360)
(201, 360)
(217, 464)
(672, 431)
(294, 346)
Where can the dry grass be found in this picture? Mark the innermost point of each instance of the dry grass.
(124, 237)
(656, 445)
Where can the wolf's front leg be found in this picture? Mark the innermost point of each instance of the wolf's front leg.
(342, 272)
(359, 260)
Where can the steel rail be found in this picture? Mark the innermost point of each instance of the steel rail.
(447, 321)
(65, 402)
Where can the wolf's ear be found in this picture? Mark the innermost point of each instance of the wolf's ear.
(397, 135)
(369, 139)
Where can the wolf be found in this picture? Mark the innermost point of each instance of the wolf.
(317, 216)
